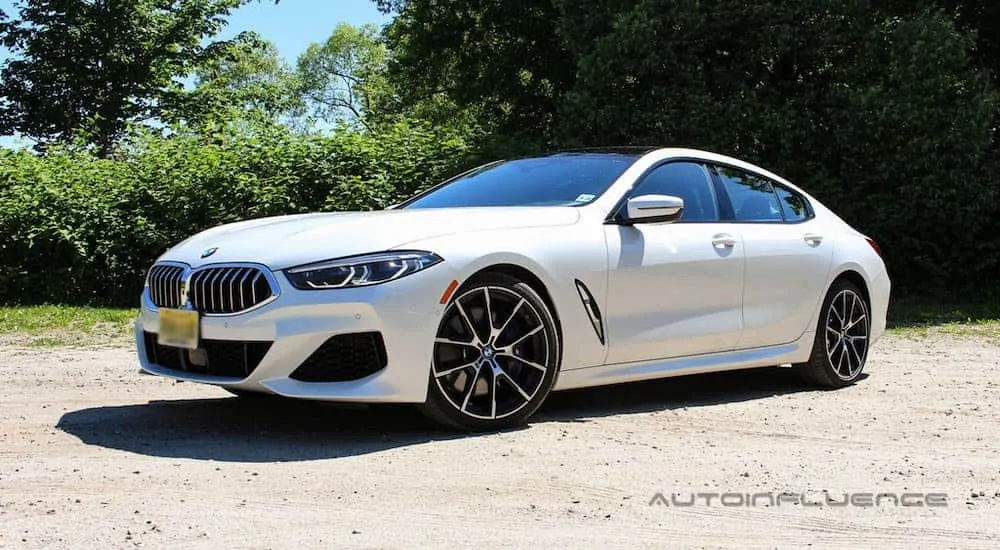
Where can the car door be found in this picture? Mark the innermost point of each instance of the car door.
(674, 289)
(787, 257)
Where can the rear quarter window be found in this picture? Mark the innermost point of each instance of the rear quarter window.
(793, 205)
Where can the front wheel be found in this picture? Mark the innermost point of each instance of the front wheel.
(496, 356)
(842, 337)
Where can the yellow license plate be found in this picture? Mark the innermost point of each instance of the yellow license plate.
(178, 328)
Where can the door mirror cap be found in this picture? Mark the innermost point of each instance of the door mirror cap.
(653, 209)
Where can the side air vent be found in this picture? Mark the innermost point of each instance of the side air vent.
(590, 306)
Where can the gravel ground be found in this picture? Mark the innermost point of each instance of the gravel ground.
(95, 455)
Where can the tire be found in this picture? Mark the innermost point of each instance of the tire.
(840, 349)
(491, 377)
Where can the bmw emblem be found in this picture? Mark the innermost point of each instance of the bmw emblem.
(209, 252)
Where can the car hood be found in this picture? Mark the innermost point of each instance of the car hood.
(286, 241)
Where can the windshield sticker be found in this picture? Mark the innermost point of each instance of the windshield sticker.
(586, 197)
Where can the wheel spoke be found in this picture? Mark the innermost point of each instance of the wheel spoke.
(493, 391)
(468, 322)
(833, 349)
(833, 310)
(855, 322)
(523, 337)
(488, 313)
(517, 386)
(439, 374)
(833, 330)
(857, 355)
(509, 319)
(451, 342)
(472, 387)
(843, 355)
(524, 361)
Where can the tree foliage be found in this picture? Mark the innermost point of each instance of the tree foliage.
(883, 109)
(343, 78)
(89, 67)
(240, 79)
(886, 110)
(501, 58)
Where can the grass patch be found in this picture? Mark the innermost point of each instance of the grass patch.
(46, 326)
(920, 319)
(66, 326)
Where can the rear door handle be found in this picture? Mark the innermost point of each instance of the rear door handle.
(723, 240)
(812, 239)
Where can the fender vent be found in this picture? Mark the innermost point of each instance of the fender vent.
(590, 306)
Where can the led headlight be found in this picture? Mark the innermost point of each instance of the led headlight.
(370, 269)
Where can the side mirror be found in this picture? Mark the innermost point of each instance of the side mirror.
(653, 209)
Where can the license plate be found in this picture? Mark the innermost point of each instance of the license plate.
(178, 328)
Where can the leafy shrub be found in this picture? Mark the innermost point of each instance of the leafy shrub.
(78, 229)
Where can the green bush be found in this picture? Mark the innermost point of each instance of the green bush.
(77, 229)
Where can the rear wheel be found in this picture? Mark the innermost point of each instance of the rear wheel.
(840, 349)
(495, 358)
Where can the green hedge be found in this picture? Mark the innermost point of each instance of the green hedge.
(77, 229)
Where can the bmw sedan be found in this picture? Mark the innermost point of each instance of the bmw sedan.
(478, 297)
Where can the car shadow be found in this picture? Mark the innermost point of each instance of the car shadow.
(282, 430)
(672, 393)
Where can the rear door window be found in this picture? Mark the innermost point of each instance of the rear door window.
(752, 196)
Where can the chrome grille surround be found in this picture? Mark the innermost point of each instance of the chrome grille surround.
(212, 289)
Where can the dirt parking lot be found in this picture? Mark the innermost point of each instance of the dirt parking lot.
(95, 455)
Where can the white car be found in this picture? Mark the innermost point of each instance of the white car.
(477, 298)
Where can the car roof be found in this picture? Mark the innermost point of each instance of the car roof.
(660, 151)
(636, 150)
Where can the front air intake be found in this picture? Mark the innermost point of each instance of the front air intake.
(222, 358)
(343, 358)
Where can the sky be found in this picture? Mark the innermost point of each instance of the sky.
(294, 24)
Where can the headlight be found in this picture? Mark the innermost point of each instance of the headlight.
(370, 269)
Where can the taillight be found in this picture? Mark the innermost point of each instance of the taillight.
(874, 246)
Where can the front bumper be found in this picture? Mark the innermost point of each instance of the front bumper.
(406, 313)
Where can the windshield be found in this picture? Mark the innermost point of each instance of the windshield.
(565, 179)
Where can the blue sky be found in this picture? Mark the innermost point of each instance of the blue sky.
(292, 25)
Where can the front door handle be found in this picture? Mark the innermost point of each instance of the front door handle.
(812, 239)
(723, 240)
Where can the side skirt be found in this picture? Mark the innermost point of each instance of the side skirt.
(795, 352)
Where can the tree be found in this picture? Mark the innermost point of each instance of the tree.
(240, 79)
(502, 59)
(343, 78)
(881, 108)
(89, 67)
